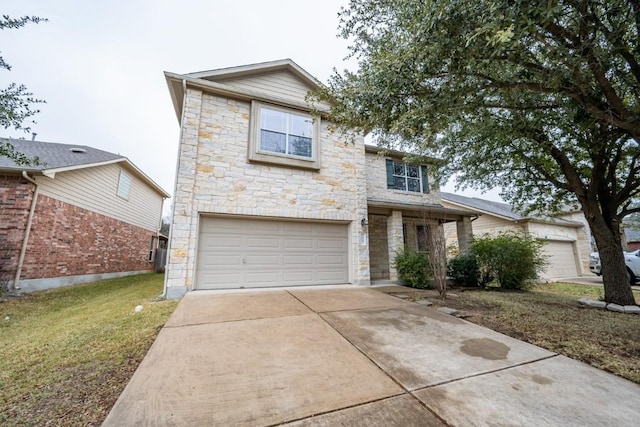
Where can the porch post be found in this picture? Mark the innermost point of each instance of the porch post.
(465, 233)
(395, 241)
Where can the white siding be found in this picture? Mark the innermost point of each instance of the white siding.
(95, 189)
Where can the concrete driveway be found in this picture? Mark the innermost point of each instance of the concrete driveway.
(354, 356)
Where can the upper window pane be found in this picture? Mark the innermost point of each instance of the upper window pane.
(406, 177)
(301, 126)
(286, 133)
(273, 120)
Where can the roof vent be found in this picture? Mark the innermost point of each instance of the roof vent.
(78, 150)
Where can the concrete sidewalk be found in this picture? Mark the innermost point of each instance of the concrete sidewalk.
(355, 356)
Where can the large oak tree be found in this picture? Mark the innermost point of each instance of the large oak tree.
(541, 98)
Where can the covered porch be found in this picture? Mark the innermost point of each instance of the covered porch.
(394, 226)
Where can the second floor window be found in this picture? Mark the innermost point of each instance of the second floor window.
(124, 185)
(286, 133)
(403, 176)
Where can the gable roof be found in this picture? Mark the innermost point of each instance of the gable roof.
(55, 158)
(258, 68)
(216, 81)
(502, 210)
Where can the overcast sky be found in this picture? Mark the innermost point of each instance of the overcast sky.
(99, 64)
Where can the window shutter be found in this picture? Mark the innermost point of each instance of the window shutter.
(390, 183)
(425, 179)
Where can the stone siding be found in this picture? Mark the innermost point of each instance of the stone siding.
(215, 177)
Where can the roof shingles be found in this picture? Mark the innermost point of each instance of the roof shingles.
(55, 156)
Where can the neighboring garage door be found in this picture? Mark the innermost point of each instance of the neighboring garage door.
(251, 253)
(561, 259)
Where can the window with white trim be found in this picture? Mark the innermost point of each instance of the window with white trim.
(406, 177)
(124, 185)
(283, 136)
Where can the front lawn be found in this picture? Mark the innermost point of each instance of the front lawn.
(67, 354)
(550, 316)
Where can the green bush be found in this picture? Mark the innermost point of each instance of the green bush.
(413, 268)
(513, 259)
(463, 269)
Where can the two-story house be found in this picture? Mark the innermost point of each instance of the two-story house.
(268, 195)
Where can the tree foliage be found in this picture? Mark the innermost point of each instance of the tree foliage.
(16, 102)
(539, 98)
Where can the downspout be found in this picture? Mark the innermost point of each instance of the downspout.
(23, 250)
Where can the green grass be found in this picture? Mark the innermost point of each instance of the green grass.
(66, 354)
(550, 316)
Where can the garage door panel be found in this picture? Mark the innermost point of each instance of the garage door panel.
(293, 260)
(335, 260)
(335, 276)
(262, 242)
(234, 253)
(302, 228)
(333, 244)
(299, 243)
(218, 279)
(223, 260)
(262, 260)
(261, 227)
(561, 259)
(257, 280)
(303, 277)
(212, 241)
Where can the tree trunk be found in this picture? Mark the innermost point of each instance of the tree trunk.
(617, 288)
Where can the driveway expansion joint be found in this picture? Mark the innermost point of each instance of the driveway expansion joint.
(479, 374)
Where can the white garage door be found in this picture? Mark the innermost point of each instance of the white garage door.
(240, 252)
(561, 260)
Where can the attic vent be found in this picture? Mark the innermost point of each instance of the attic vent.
(78, 150)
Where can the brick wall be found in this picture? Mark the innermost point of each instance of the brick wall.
(15, 201)
(66, 240)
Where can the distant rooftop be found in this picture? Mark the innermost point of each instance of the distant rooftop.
(503, 210)
(498, 208)
(54, 158)
(54, 155)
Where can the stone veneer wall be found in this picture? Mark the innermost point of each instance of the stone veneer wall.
(66, 240)
(15, 202)
(215, 177)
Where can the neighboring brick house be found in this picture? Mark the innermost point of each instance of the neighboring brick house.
(87, 215)
(632, 239)
(566, 237)
(268, 195)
